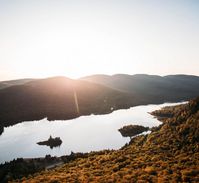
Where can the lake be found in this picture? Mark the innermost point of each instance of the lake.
(83, 134)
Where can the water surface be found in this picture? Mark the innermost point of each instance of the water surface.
(83, 134)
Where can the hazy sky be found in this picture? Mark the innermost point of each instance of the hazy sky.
(41, 38)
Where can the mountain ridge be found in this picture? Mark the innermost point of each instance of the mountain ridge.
(162, 87)
(58, 98)
(62, 98)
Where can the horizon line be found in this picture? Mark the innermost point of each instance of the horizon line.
(97, 74)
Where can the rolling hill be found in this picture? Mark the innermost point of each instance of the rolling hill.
(58, 98)
(152, 88)
(6, 84)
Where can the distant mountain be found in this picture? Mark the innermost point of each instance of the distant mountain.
(152, 88)
(5, 84)
(58, 98)
(61, 98)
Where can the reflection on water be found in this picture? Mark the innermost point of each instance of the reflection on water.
(83, 134)
(1, 129)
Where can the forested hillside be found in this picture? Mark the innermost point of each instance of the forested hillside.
(169, 154)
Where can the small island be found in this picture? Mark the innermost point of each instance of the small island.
(132, 130)
(52, 142)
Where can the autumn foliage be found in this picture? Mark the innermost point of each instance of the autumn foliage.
(169, 154)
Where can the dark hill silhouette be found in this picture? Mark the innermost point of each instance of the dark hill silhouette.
(152, 88)
(56, 98)
(6, 84)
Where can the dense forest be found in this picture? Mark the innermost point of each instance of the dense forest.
(170, 153)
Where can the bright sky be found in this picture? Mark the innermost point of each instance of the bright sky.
(42, 38)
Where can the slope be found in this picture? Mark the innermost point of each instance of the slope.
(169, 154)
(58, 98)
(5, 84)
(152, 88)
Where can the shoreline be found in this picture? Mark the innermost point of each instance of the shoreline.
(3, 125)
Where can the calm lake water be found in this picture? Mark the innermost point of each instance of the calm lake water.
(83, 134)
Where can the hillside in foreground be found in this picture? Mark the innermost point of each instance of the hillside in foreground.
(169, 154)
